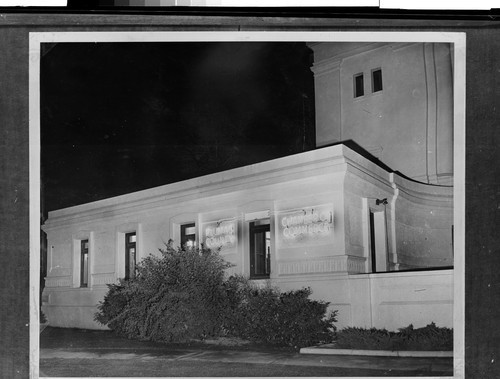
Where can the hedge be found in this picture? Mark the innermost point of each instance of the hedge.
(184, 294)
(428, 338)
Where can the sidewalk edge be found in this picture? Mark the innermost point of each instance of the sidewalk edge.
(383, 353)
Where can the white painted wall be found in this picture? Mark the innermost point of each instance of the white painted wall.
(398, 299)
(408, 125)
(423, 218)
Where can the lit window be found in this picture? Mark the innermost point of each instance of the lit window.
(377, 80)
(188, 235)
(130, 255)
(84, 263)
(359, 86)
(260, 249)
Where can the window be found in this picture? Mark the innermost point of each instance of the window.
(188, 235)
(84, 263)
(359, 86)
(130, 254)
(260, 249)
(377, 80)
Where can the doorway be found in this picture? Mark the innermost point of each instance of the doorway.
(378, 241)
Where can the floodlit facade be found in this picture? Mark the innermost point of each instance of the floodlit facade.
(362, 236)
(317, 219)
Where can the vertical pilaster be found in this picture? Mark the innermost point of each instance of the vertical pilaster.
(328, 102)
(432, 112)
(439, 126)
(444, 142)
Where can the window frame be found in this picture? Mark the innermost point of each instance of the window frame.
(130, 274)
(374, 71)
(253, 228)
(84, 253)
(184, 238)
(361, 93)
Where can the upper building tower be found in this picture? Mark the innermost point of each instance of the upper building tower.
(395, 100)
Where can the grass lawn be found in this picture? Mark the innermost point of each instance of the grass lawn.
(159, 368)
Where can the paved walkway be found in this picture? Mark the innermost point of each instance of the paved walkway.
(235, 356)
(67, 348)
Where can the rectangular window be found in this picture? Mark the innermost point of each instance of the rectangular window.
(359, 85)
(84, 263)
(188, 235)
(377, 80)
(130, 255)
(260, 249)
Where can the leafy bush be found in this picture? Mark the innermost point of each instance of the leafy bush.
(175, 297)
(278, 318)
(183, 295)
(428, 338)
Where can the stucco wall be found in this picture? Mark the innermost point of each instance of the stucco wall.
(423, 224)
(407, 125)
(398, 299)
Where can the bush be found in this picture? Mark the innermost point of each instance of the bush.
(428, 338)
(278, 318)
(175, 297)
(184, 295)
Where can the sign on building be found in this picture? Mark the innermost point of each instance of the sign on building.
(220, 234)
(308, 225)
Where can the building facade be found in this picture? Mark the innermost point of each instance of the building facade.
(340, 222)
(326, 219)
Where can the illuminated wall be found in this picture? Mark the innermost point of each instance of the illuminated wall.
(408, 122)
(316, 206)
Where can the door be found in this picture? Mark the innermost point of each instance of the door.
(378, 242)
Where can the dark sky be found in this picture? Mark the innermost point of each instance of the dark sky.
(121, 117)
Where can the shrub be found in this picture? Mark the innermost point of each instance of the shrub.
(427, 338)
(175, 297)
(278, 318)
(183, 295)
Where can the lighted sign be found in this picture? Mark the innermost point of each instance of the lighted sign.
(309, 224)
(220, 234)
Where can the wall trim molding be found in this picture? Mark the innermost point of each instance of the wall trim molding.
(58, 281)
(322, 265)
(103, 278)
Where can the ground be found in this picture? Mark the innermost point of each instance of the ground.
(85, 353)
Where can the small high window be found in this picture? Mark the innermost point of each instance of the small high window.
(359, 85)
(130, 254)
(377, 80)
(84, 263)
(188, 235)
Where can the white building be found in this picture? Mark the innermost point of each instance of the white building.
(330, 219)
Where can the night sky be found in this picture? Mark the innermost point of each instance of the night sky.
(122, 117)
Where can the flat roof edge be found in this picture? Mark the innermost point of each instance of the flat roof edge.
(203, 183)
